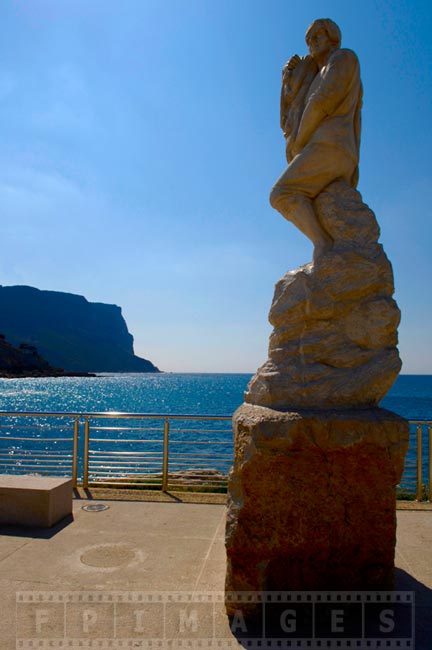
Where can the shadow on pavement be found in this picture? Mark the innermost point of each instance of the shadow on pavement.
(300, 618)
(35, 532)
(423, 607)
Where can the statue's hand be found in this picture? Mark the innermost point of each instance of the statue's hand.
(291, 64)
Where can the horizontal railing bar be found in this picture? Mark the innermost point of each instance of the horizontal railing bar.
(145, 476)
(42, 452)
(197, 476)
(205, 457)
(31, 457)
(100, 428)
(198, 483)
(35, 439)
(137, 461)
(123, 440)
(39, 414)
(203, 476)
(126, 453)
(170, 416)
(153, 461)
(197, 479)
(205, 452)
(125, 482)
(149, 480)
(195, 431)
(153, 474)
(199, 459)
(113, 414)
(201, 442)
(31, 428)
(38, 466)
(125, 477)
(146, 472)
(120, 461)
(420, 421)
(36, 469)
(123, 414)
(132, 463)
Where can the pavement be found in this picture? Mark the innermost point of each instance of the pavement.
(140, 573)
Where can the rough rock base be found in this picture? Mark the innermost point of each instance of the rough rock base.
(312, 499)
(335, 322)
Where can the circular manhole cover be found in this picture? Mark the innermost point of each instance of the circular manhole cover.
(95, 507)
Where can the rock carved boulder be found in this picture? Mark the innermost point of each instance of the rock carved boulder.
(335, 321)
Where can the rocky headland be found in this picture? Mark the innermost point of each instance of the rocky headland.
(69, 331)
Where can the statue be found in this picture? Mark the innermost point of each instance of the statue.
(313, 449)
(321, 100)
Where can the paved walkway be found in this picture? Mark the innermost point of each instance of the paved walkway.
(129, 571)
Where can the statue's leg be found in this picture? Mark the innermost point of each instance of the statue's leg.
(299, 210)
(307, 175)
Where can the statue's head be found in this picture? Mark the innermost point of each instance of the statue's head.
(328, 28)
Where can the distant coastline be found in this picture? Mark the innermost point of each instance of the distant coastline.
(69, 332)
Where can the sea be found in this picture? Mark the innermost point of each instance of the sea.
(178, 394)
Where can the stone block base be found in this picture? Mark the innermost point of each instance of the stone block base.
(312, 499)
(34, 500)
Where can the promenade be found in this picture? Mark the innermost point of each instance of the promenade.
(156, 548)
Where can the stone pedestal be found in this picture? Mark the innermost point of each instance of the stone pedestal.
(312, 499)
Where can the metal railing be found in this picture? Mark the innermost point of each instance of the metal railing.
(26, 448)
(418, 465)
(162, 451)
(119, 449)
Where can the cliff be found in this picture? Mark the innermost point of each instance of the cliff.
(68, 331)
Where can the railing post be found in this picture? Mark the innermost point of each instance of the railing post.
(86, 452)
(75, 453)
(419, 463)
(165, 456)
(430, 464)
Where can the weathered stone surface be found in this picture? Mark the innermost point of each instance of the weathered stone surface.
(335, 321)
(312, 499)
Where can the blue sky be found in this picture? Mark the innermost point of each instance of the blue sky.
(140, 140)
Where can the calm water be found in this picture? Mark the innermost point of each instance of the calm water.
(204, 394)
(140, 393)
(193, 394)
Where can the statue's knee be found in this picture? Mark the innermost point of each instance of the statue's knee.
(282, 200)
(275, 198)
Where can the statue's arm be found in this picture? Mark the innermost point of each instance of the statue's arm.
(311, 118)
(287, 90)
(297, 75)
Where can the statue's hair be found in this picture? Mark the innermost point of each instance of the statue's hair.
(330, 27)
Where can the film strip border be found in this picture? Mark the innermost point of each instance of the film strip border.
(72, 619)
(241, 597)
(215, 644)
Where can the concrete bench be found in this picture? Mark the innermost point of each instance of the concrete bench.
(34, 500)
